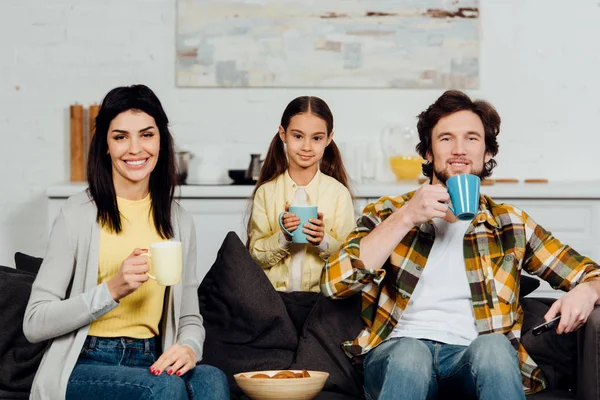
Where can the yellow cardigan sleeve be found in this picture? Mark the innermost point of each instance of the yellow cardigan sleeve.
(343, 224)
(264, 234)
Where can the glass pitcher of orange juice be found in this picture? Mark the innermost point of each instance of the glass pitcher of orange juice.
(399, 142)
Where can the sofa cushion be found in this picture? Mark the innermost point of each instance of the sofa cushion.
(28, 263)
(19, 359)
(329, 324)
(247, 325)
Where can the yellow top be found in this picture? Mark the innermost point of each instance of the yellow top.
(266, 247)
(138, 315)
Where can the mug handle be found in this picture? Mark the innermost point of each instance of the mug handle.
(450, 207)
(149, 256)
(281, 224)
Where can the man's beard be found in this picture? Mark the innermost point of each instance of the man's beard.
(443, 175)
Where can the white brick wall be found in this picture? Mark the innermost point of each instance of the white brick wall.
(540, 62)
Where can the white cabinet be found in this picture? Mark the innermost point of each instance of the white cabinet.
(219, 209)
(214, 218)
(573, 222)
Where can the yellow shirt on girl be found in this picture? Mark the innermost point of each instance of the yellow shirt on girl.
(269, 248)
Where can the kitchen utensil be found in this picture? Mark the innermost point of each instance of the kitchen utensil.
(398, 144)
(253, 170)
(182, 160)
(238, 176)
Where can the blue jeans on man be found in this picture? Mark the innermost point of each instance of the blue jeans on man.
(409, 368)
(119, 368)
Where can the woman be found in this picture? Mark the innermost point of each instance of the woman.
(115, 333)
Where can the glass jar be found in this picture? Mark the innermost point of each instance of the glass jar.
(399, 142)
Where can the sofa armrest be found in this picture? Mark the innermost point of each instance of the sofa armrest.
(546, 300)
(588, 349)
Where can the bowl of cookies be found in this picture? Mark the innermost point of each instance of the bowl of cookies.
(281, 384)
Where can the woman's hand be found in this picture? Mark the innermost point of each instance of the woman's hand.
(131, 275)
(176, 360)
(290, 222)
(315, 230)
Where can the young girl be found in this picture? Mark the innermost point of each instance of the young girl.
(301, 155)
(115, 333)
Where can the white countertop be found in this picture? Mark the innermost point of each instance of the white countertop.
(552, 190)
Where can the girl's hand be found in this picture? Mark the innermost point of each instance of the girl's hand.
(315, 230)
(176, 360)
(290, 222)
(131, 275)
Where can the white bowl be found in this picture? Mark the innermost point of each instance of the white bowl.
(281, 389)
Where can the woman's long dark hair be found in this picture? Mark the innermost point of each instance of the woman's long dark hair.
(276, 161)
(99, 167)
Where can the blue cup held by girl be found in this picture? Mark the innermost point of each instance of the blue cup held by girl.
(304, 213)
(464, 195)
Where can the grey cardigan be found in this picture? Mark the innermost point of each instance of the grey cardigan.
(66, 298)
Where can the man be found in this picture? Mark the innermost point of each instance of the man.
(439, 295)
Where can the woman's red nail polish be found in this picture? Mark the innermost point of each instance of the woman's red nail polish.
(178, 373)
(170, 372)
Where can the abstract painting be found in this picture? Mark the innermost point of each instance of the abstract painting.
(328, 43)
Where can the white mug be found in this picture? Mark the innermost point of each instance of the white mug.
(166, 259)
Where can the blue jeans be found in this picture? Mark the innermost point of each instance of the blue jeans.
(119, 368)
(410, 368)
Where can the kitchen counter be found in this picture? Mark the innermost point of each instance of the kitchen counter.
(550, 190)
(571, 210)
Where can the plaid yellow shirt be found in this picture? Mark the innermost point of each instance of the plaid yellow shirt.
(500, 242)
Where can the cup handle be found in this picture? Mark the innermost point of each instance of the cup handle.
(450, 207)
(281, 224)
(149, 256)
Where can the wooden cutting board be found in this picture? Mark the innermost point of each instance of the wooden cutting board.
(77, 143)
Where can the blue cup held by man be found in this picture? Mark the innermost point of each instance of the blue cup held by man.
(302, 209)
(464, 195)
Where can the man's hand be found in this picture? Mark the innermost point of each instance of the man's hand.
(427, 203)
(575, 306)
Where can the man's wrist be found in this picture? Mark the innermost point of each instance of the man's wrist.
(404, 218)
(594, 285)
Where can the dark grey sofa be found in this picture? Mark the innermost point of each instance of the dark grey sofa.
(250, 327)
